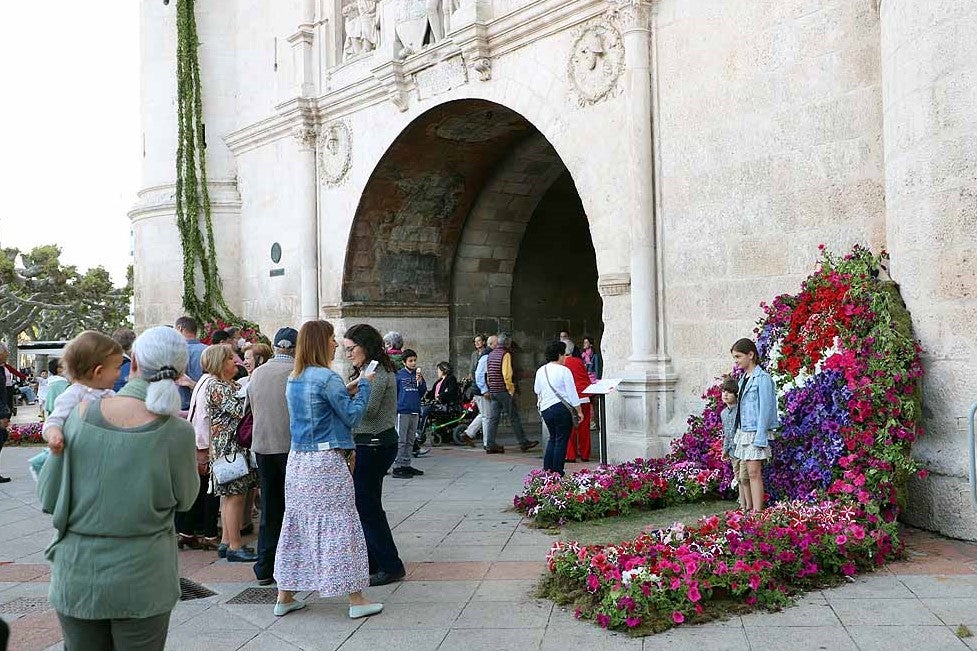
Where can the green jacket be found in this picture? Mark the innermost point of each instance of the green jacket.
(113, 494)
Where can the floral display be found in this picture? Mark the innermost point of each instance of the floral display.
(246, 333)
(25, 434)
(847, 370)
(671, 576)
(614, 490)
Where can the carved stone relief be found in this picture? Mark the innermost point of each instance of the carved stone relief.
(361, 27)
(441, 77)
(596, 63)
(423, 22)
(335, 152)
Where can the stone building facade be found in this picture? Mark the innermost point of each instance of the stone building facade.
(644, 172)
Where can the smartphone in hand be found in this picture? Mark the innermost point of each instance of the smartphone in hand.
(370, 368)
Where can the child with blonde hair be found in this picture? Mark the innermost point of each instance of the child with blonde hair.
(93, 362)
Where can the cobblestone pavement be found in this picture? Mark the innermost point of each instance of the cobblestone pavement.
(472, 565)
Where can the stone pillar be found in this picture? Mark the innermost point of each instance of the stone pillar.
(929, 91)
(649, 385)
(306, 200)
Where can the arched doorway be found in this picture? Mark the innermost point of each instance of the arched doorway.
(471, 223)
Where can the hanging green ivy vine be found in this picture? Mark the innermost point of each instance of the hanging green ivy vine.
(192, 195)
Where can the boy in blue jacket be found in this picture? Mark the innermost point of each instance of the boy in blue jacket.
(410, 388)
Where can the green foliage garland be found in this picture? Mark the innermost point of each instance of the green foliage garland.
(192, 195)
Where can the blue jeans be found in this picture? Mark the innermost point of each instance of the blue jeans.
(28, 393)
(271, 475)
(559, 422)
(372, 463)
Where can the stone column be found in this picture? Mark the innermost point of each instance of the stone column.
(306, 201)
(649, 385)
(929, 94)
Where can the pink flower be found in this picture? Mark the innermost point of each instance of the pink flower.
(593, 582)
(603, 620)
(631, 622)
(848, 569)
(841, 539)
(677, 617)
(693, 593)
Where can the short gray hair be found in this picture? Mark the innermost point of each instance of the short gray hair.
(4, 348)
(393, 340)
(504, 339)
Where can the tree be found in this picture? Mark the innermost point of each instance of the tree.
(48, 300)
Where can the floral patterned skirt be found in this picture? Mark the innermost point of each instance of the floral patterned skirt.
(321, 545)
(746, 451)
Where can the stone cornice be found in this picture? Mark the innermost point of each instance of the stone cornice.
(359, 310)
(160, 200)
(392, 80)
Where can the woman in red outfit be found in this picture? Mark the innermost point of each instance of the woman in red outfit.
(578, 449)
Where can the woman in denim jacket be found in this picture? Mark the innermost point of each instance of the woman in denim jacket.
(756, 420)
(322, 545)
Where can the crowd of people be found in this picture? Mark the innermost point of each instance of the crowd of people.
(235, 422)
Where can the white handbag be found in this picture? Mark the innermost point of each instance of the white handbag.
(230, 467)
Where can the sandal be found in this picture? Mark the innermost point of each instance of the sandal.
(208, 544)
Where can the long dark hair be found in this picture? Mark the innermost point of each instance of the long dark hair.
(746, 346)
(593, 343)
(368, 338)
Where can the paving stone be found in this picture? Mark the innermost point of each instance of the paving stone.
(468, 553)
(892, 612)
(447, 571)
(809, 611)
(497, 537)
(492, 640)
(317, 626)
(905, 638)
(516, 570)
(268, 642)
(195, 638)
(524, 552)
(815, 638)
(882, 586)
(419, 640)
(414, 615)
(954, 612)
(510, 590)
(433, 591)
(502, 615)
(699, 638)
(939, 586)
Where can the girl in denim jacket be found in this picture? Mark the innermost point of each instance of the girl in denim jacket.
(756, 420)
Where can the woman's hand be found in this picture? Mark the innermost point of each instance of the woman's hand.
(351, 461)
(353, 386)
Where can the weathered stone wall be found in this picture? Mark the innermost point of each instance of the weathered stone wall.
(770, 136)
(929, 73)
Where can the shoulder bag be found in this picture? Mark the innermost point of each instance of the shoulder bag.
(566, 403)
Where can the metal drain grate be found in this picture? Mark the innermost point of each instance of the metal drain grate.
(190, 590)
(25, 606)
(255, 596)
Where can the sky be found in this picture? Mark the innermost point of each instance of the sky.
(70, 145)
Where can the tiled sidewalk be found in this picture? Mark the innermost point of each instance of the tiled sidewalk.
(471, 567)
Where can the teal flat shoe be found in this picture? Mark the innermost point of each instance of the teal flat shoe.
(355, 612)
(282, 609)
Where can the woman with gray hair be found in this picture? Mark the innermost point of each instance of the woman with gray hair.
(114, 575)
(394, 344)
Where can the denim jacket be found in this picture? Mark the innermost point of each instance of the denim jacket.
(728, 417)
(758, 406)
(321, 412)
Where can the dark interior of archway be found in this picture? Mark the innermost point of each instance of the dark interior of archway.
(555, 280)
(413, 208)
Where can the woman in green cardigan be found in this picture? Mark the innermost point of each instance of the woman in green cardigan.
(128, 465)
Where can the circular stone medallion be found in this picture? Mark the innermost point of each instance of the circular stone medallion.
(335, 152)
(596, 62)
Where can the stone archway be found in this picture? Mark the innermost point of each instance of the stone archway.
(468, 224)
